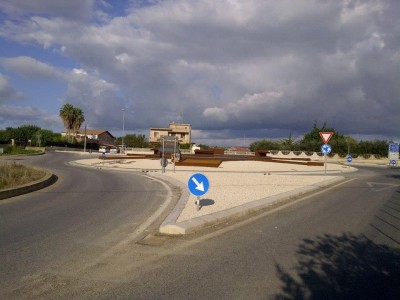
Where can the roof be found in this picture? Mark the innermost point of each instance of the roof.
(160, 128)
(90, 131)
(94, 132)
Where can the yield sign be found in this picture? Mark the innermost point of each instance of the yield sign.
(326, 136)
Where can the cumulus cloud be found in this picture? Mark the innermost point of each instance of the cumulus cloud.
(97, 98)
(72, 9)
(7, 92)
(227, 66)
(15, 116)
(30, 68)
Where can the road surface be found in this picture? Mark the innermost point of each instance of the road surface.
(340, 243)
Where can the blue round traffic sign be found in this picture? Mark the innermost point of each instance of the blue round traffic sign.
(326, 148)
(393, 162)
(198, 184)
(349, 159)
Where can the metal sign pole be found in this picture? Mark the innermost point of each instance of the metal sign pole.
(198, 202)
(325, 155)
(163, 157)
(174, 153)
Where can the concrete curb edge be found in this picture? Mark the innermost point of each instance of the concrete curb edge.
(46, 181)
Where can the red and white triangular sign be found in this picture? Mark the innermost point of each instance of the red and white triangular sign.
(326, 136)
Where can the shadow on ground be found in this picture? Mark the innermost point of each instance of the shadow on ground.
(205, 202)
(342, 267)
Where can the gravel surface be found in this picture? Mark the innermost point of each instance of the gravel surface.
(233, 183)
(230, 190)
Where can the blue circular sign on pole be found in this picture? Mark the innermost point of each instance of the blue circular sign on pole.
(393, 162)
(326, 149)
(198, 184)
(349, 159)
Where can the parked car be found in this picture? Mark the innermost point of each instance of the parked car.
(114, 150)
(104, 149)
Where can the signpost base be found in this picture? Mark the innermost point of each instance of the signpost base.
(198, 202)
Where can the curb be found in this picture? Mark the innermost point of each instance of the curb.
(170, 227)
(48, 180)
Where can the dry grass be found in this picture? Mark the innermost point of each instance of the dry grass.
(13, 175)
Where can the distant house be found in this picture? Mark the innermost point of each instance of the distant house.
(182, 131)
(99, 137)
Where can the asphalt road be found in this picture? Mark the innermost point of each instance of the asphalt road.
(343, 243)
(84, 215)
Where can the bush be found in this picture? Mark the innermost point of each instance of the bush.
(9, 149)
(17, 150)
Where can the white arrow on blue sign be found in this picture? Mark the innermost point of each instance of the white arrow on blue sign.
(326, 149)
(349, 159)
(198, 184)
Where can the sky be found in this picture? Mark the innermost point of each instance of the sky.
(237, 71)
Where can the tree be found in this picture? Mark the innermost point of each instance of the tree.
(6, 135)
(265, 145)
(135, 141)
(73, 118)
(66, 114)
(78, 120)
(24, 134)
(42, 138)
(312, 140)
(288, 144)
(203, 146)
(373, 147)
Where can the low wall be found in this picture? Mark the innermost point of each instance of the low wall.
(318, 156)
(140, 151)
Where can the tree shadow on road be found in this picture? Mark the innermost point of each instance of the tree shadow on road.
(342, 267)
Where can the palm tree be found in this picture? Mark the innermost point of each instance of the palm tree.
(78, 120)
(67, 114)
(73, 118)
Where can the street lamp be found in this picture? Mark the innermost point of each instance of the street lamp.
(123, 129)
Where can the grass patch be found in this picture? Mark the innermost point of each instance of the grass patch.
(13, 175)
(15, 150)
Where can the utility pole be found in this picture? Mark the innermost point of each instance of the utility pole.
(84, 147)
(123, 129)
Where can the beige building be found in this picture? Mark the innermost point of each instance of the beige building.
(182, 131)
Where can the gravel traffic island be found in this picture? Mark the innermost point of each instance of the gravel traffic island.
(236, 188)
(235, 192)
